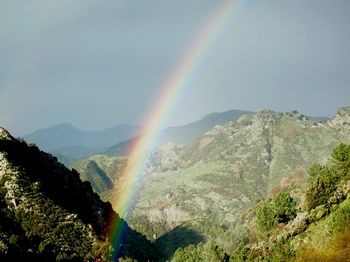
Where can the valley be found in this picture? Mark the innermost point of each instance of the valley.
(205, 187)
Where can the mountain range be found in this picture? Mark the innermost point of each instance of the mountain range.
(206, 198)
(205, 186)
(70, 144)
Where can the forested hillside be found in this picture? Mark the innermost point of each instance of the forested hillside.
(313, 227)
(47, 213)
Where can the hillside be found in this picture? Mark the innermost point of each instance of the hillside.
(313, 227)
(47, 213)
(184, 134)
(101, 171)
(202, 188)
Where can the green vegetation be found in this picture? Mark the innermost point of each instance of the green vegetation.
(101, 171)
(269, 214)
(48, 214)
(212, 185)
(341, 159)
(201, 252)
(320, 233)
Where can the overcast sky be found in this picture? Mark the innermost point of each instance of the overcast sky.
(96, 64)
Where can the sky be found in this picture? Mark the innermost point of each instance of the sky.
(97, 64)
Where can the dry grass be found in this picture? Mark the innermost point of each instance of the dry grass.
(337, 249)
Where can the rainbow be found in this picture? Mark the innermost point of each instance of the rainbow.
(169, 94)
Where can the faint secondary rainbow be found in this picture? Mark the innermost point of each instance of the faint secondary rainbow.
(170, 92)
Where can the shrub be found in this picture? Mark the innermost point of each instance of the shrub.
(341, 159)
(266, 219)
(284, 207)
(319, 191)
(281, 209)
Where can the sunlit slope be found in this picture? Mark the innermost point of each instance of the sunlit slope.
(210, 182)
(207, 185)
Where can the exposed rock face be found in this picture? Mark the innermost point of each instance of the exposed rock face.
(225, 171)
(4, 134)
(342, 117)
(171, 215)
(166, 157)
(206, 185)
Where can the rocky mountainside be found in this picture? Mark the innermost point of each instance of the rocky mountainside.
(47, 213)
(183, 134)
(285, 228)
(70, 144)
(205, 186)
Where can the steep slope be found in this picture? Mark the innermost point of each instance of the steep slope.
(225, 171)
(47, 213)
(183, 134)
(187, 133)
(202, 188)
(320, 231)
(101, 171)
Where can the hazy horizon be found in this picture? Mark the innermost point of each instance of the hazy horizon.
(180, 124)
(96, 65)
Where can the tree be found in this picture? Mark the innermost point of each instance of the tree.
(266, 219)
(319, 191)
(341, 159)
(284, 207)
(281, 209)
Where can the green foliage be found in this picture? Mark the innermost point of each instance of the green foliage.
(266, 219)
(48, 214)
(281, 209)
(324, 197)
(323, 179)
(242, 253)
(338, 219)
(201, 252)
(320, 189)
(314, 171)
(341, 159)
(282, 251)
(284, 207)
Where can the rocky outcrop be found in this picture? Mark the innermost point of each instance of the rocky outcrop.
(235, 164)
(5, 135)
(341, 118)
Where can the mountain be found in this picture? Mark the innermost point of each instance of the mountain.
(284, 228)
(101, 171)
(205, 186)
(70, 144)
(69, 154)
(184, 134)
(187, 133)
(60, 138)
(47, 213)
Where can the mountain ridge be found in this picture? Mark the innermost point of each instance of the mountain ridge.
(47, 213)
(65, 135)
(182, 134)
(225, 170)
